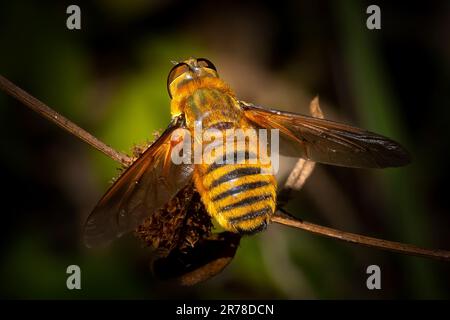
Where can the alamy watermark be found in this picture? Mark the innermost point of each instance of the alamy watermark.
(374, 280)
(373, 22)
(230, 146)
(74, 279)
(73, 21)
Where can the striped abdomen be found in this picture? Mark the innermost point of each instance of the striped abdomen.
(238, 196)
(241, 197)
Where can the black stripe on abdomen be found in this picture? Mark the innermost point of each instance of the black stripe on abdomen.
(234, 174)
(256, 229)
(234, 158)
(246, 202)
(241, 188)
(251, 215)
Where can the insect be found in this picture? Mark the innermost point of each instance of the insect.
(239, 196)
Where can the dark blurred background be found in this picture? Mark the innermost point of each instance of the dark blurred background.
(110, 78)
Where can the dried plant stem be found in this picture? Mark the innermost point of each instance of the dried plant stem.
(61, 121)
(398, 247)
(280, 218)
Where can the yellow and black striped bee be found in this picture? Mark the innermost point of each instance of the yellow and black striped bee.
(241, 197)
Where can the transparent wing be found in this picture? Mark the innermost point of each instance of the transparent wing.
(150, 182)
(327, 141)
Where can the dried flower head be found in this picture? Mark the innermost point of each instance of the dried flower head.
(180, 224)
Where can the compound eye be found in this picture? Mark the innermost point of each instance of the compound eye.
(174, 73)
(205, 63)
(177, 71)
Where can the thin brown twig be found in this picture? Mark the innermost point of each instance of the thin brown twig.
(42, 109)
(399, 247)
(280, 218)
